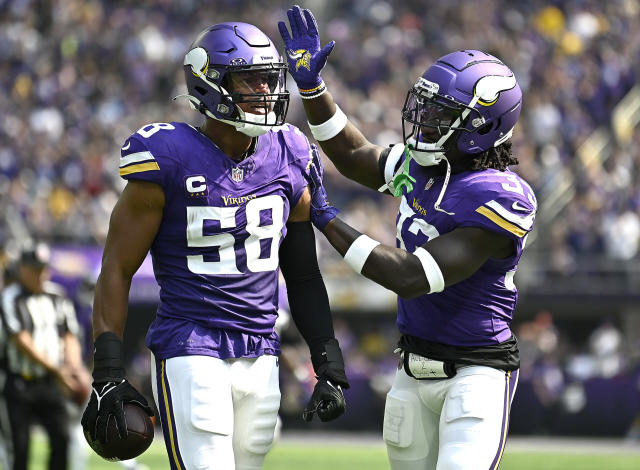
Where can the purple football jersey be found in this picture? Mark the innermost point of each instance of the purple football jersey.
(215, 256)
(478, 310)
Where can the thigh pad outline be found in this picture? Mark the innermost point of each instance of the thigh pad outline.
(467, 400)
(210, 407)
(399, 416)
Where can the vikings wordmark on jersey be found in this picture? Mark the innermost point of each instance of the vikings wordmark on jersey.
(220, 234)
(478, 310)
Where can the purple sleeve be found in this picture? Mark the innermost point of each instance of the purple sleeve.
(145, 157)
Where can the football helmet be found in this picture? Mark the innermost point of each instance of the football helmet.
(235, 74)
(467, 98)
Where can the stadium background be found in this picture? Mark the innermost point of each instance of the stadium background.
(77, 77)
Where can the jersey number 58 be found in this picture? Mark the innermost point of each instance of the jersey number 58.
(225, 242)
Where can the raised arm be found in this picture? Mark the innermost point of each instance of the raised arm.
(350, 151)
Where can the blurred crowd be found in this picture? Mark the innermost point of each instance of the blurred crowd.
(77, 77)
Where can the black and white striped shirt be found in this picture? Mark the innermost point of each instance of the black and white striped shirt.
(47, 317)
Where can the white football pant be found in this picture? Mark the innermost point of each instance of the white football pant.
(449, 424)
(217, 414)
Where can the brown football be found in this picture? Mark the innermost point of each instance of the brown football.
(139, 438)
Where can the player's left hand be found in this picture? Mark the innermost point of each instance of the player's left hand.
(321, 211)
(306, 58)
(327, 401)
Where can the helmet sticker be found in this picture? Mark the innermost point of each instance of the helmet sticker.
(426, 85)
(198, 59)
(488, 88)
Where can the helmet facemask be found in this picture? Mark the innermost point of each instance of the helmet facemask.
(258, 93)
(430, 119)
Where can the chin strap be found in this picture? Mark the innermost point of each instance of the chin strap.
(252, 129)
(436, 206)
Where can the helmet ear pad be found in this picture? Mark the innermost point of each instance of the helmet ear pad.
(218, 103)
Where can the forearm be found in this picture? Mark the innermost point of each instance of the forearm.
(349, 150)
(110, 302)
(309, 302)
(308, 299)
(393, 268)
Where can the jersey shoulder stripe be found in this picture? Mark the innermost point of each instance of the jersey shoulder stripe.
(150, 166)
(501, 222)
(137, 157)
(523, 221)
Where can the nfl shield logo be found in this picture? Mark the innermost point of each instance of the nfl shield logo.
(237, 174)
(429, 184)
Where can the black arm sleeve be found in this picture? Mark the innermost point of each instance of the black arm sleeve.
(382, 161)
(309, 302)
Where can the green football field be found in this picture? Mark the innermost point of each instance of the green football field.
(319, 456)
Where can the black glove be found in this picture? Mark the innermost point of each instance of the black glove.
(327, 400)
(107, 400)
(110, 390)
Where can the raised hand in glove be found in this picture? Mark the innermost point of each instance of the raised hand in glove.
(107, 401)
(327, 401)
(321, 211)
(306, 58)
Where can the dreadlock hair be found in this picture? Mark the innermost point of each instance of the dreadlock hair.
(498, 158)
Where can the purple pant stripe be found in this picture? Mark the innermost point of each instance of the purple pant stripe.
(165, 407)
(511, 381)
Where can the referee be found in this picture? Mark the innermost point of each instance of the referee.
(43, 360)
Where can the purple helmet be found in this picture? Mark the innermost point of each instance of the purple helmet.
(233, 63)
(468, 91)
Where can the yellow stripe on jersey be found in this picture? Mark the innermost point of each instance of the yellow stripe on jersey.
(138, 168)
(495, 218)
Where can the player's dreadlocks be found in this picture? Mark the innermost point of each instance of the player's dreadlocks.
(498, 158)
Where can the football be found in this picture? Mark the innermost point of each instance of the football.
(140, 437)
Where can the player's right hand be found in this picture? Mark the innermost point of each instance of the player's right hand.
(306, 58)
(321, 211)
(107, 402)
(327, 401)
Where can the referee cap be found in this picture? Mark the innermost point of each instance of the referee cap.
(37, 256)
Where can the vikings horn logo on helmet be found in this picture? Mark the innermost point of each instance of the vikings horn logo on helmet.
(488, 88)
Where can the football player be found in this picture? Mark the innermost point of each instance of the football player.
(221, 207)
(461, 229)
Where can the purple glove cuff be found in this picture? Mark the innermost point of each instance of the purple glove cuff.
(314, 92)
(321, 217)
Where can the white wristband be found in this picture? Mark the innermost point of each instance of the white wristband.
(331, 127)
(431, 269)
(359, 251)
